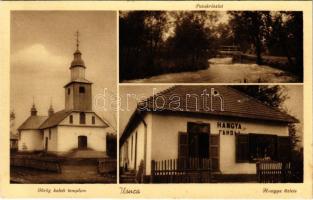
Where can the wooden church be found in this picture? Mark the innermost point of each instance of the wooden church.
(77, 127)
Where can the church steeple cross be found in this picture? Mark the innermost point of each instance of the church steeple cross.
(77, 40)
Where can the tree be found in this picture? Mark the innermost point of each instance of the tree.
(140, 39)
(293, 135)
(251, 26)
(286, 38)
(294, 26)
(272, 96)
(131, 40)
(192, 40)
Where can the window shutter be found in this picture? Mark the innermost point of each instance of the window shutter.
(214, 151)
(242, 148)
(283, 148)
(182, 145)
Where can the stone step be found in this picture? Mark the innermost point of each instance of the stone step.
(87, 153)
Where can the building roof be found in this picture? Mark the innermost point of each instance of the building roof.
(79, 80)
(42, 122)
(32, 122)
(235, 104)
(78, 61)
(55, 119)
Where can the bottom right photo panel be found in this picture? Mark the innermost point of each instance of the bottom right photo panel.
(211, 134)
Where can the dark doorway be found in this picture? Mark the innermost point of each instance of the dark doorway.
(82, 142)
(198, 139)
(46, 144)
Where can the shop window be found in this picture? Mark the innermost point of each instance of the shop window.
(81, 89)
(283, 148)
(93, 120)
(256, 147)
(71, 119)
(242, 148)
(182, 145)
(262, 147)
(82, 118)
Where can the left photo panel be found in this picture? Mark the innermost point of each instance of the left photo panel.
(63, 72)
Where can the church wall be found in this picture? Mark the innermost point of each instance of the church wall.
(77, 73)
(68, 138)
(69, 97)
(82, 101)
(75, 115)
(30, 140)
(52, 140)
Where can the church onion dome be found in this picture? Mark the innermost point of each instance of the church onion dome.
(33, 110)
(77, 62)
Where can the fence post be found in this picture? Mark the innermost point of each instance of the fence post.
(152, 171)
(258, 172)
(283, 172)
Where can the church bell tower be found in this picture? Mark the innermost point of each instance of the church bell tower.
(78, 90)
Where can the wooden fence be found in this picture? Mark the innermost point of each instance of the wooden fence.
(106, 166)
(52, 165)
(273, 172)
(193, 170)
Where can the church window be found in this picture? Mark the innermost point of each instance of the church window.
(68, 91)
(71, 119)
(49, 134)
(82, 118)
(93, 120)
(81, 89)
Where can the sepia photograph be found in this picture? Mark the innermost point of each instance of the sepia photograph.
(156, 99)
(211, 134)
(59, 132)
(211, 46)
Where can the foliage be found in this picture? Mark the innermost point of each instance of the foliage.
(156, 42)
(251, 26)
(273, 96)
(293, 135)
(277, 33)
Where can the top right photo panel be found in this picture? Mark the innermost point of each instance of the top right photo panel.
(211, 46)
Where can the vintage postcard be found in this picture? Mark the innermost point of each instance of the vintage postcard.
(156, 99)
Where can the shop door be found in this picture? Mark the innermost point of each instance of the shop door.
(199, 140)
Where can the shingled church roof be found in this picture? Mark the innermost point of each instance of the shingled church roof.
(32, 122)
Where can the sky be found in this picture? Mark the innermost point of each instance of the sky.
(42, 47)
(293, 104)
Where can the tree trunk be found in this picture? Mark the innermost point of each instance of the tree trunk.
(258, 51)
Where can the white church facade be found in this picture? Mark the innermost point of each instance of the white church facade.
(77, 127)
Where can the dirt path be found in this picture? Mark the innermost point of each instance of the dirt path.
(221, 70)
(70, 174)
